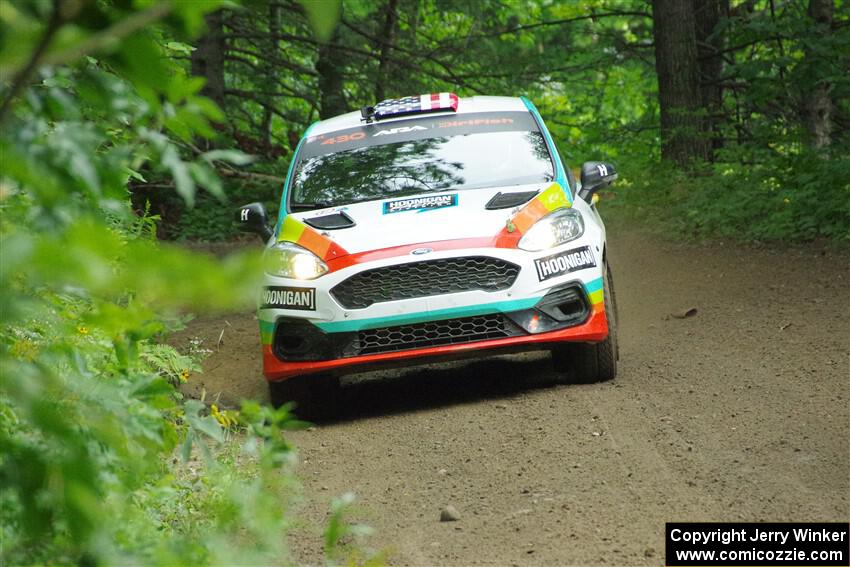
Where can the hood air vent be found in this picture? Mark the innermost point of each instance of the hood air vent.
(507, 200)
(331, 222)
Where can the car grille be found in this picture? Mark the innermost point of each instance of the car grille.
(436, 333)
(423, 279)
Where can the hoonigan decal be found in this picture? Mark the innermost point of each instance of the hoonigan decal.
(420, 203)
(564, 263)
(279, 297)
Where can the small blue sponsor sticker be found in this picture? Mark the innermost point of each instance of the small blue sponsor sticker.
(420, 204)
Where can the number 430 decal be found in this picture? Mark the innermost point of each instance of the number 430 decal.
(345, 138)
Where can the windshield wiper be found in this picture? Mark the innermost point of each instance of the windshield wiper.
(310, 206)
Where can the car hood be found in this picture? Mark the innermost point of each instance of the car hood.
(428, 217)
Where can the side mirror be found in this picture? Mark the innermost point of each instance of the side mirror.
(595, 175)
(253, 218)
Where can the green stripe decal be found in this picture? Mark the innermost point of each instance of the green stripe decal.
(266, 332)
(424, 316)
(560, 173)
(594, 285)
(289, 174)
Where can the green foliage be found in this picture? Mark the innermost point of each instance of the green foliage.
(323, 16)
(340, 533)
(85, 436)
(800, 197)
(101, 459)
(210, 220)
(588, 66)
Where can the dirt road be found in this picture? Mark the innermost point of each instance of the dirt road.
(737, 413)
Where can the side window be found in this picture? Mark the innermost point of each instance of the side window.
(571, 179)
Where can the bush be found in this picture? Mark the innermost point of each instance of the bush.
(211, 220)
(101, 459)
(796, 197)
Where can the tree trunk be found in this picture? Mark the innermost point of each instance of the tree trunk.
(329, 66)
(710, 41)
(208, 58)
(388, 37)
(817, 104)
(271, 67)
(674, 29)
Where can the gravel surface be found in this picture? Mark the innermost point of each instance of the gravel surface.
(735, 411)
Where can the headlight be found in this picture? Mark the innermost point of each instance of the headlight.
(292, 261)
(553, 230)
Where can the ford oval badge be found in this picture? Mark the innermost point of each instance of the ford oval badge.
(420, 251)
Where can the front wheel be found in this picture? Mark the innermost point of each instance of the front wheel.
(314, 395)
(587, 363)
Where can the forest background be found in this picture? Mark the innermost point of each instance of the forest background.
(129, 122)
(747, 102)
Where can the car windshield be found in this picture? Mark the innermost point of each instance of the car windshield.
(414, 166)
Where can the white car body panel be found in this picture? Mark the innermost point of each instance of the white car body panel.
(375, 229)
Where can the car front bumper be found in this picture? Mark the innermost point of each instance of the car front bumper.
(535, 312)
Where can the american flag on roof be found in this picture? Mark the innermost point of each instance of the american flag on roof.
(416, 104)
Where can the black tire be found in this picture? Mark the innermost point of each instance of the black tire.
(314, 395)
(586, 363)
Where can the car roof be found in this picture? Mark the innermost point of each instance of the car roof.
(466, 105)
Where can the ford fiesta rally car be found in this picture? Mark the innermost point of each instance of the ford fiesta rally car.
(426, 229)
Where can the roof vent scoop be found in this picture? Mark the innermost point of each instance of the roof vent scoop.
(331, 222)
(422, 104)
(506, 200)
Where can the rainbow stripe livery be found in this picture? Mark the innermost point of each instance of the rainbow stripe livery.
(388, 285)
(295, 231)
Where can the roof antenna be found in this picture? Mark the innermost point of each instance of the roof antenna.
(366, 113)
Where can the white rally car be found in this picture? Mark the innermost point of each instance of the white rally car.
(432, 228)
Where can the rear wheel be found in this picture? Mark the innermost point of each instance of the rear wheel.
(314, 395)
(585, 363)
